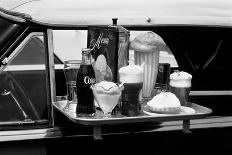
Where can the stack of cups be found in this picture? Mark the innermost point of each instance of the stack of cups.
(146, 48)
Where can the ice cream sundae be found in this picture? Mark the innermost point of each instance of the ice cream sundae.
(107, 95)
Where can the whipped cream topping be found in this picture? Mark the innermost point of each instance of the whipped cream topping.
(106, 84)
(180, 79)
(131, 69)
(180, 75)
(164, 100)
(131, 74)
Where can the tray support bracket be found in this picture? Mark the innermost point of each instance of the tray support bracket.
(186, 127)
(97, 132)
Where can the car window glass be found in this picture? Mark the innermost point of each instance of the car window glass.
(23, 82)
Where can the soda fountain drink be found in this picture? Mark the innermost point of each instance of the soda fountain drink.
(180, 85)
(85, 78)
(71, 68)
(132, 77)
(146, 48)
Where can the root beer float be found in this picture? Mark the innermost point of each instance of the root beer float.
(132, 77)
(180, 85)
(146, 48)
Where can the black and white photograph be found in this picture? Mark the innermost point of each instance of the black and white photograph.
(129, 77)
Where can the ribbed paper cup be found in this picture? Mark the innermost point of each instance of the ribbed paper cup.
(151, 62)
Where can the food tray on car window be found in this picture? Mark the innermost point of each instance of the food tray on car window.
(146, 116)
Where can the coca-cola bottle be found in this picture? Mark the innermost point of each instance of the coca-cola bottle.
(85, 78)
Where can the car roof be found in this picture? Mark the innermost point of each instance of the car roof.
(128, 12)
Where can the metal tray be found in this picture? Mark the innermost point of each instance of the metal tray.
(97, 120)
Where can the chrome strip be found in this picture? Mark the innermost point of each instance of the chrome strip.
(11, 17)
(7, 60)
(51, 64)
(22, 44)
(51, 71)
(211, 93)
(31, 67)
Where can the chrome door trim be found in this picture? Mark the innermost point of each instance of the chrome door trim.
(211, 93)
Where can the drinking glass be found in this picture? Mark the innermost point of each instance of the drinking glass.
(71, 68)
(180, 85)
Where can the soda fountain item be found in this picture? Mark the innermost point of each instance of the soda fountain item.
(162, 81)
(180, 85)
(85, 78)
(71, 68)
(110, 47)
(146, 48)
(107, 96)
(132, 77)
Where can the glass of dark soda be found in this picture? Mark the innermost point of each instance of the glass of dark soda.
(71, 68)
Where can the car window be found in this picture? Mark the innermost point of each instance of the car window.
(23, 85)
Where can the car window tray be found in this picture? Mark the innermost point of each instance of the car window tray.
(97, 121)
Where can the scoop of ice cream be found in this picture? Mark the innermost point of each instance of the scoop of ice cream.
(131, 74)
(180, 79)
(164, 100)
(147, 42)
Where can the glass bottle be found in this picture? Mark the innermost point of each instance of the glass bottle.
(85, 78)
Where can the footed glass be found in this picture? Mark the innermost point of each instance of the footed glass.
(108, 98)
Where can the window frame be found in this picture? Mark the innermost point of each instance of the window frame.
(9, 56)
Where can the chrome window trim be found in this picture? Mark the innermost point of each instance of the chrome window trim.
(51, 72)
(7, 14)
(22, 45)
(211, 93)
(8, 59)
(51, 65)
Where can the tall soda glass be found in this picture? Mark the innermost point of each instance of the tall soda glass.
(71, 68)
(146, 48)
(132, 77)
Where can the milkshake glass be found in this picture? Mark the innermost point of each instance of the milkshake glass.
(146, 48)
(180, 85)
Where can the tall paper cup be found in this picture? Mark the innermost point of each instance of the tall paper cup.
(151, 62)
(146, 48)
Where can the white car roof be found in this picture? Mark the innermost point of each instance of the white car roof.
(128, 12)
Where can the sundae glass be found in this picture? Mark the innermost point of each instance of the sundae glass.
(107, 96)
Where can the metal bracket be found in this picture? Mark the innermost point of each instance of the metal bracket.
(97, 132)
(186, 127)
